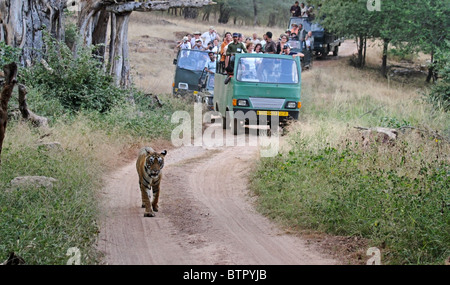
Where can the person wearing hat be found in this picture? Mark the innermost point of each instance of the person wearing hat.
(184, 44)
(295, 29)
(271, 46)
(234, 47)
(198, 45)
(210, 65)
(287, 51)
(196, 37)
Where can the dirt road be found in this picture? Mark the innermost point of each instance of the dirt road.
(206, 213)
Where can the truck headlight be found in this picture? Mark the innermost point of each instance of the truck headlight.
(183, 85)
(291, 105)
(240, 103)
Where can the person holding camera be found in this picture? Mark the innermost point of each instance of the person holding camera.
(184, 44)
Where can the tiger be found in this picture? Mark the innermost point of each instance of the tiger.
(149, 165)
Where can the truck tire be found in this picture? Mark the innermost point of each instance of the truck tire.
(336, 51)
(225, 124)
(326, 50)
(237, 128)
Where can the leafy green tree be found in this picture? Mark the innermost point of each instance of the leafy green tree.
(431, 28)
(348, 19)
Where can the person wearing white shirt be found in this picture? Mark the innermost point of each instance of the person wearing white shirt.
(303, 10)
(185, 44)
(195, 38)
(210, 64)
(198, 45)
(255, 39)
(209, 36)
(215, 48)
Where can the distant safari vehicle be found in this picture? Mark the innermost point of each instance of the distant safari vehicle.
(324, 41)
(262, 87)
(189, 68)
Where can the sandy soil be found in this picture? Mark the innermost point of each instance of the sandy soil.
(206, 213)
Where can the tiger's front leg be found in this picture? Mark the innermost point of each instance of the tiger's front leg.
(155, 197)
(146, 198)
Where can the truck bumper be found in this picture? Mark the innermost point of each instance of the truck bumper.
(253, 117)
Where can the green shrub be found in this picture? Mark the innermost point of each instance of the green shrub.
(8, 54)
(77, 82)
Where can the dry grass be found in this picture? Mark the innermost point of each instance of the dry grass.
(338, 97)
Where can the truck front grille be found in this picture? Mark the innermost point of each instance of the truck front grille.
(267, 103)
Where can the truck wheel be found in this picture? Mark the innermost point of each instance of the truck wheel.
(225, 124)
(237, 127)
(326, 50)
(336, 51)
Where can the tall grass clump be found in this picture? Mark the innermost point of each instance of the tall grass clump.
(41, 224)
(394, 194)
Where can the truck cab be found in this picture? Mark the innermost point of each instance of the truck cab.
(262, 87)
(189, 67)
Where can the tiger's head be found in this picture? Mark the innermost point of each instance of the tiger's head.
(154, 163)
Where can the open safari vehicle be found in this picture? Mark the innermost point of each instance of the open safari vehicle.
(262, 89)
(190, 65)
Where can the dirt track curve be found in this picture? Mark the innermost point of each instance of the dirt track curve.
(206, 215)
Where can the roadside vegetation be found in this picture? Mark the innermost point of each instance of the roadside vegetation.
(394, 194)
(104, 128)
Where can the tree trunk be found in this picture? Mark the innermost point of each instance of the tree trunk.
(431, 72)
(100, 34)
(272, 20)
(36, 120)
(10, 71)
(255, 13)
(23, 22)
(385, 54)
(224, 14)
(119, 52)
(362, 44)
(190, 13)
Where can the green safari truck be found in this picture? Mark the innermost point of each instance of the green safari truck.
(263, 88)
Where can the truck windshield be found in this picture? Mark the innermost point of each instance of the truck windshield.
(267, 70)
(295, 44)
(192, 59)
